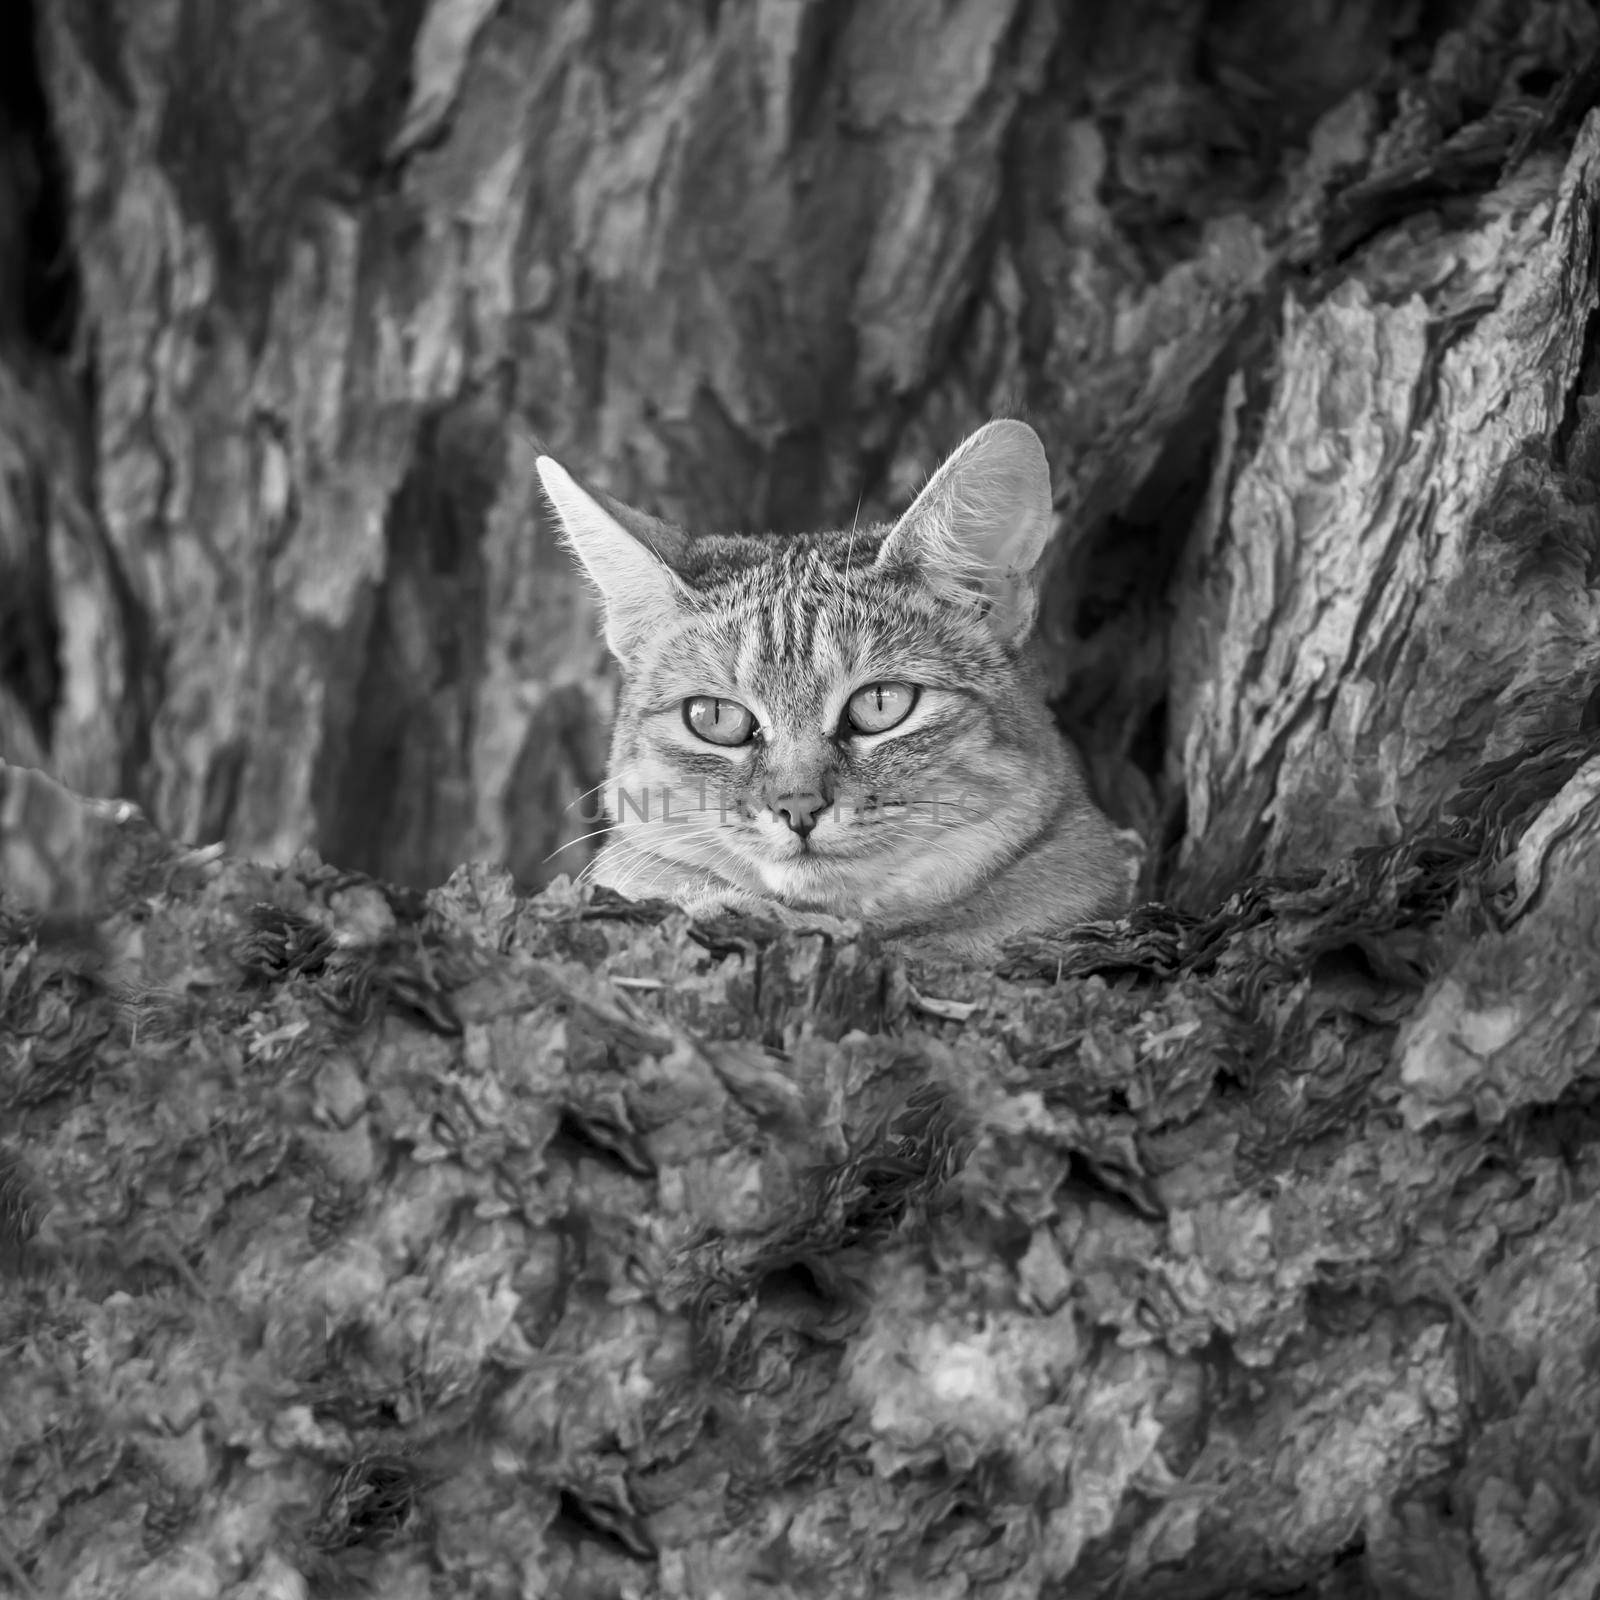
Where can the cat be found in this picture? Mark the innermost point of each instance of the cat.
(848, 724)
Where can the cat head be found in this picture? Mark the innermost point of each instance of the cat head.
(844, 720)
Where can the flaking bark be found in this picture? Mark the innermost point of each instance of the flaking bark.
(484, 1245)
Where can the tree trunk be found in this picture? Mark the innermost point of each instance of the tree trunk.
(1298, 306)
(1265, 1265)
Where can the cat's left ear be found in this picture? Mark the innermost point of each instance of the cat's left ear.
(626, 553)
(977, 530)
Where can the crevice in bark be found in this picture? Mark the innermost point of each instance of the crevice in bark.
(821, 26)
(41, 277)
(1116, 585)
(393, 750)
(30, 635)
(1577, 436)
(39, 302)
(220, 794)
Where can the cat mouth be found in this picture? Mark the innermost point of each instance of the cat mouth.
(839, 846)
(793, 848)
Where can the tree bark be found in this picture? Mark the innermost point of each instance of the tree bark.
(499, 1246)
(491, 1246)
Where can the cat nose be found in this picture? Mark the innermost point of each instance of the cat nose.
(800, 810)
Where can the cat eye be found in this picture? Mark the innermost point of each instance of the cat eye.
(718, 721)
(880, 706)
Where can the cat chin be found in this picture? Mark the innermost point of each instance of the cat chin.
(801, 880)
(842, 886)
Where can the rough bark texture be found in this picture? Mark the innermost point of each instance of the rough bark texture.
(486, 1246)
(502, 1247)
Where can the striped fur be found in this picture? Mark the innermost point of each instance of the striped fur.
(967, 823)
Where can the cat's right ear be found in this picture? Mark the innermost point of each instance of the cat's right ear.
(977, 530)
(624, 552)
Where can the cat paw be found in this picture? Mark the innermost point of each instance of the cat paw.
(707, 904)
(704, 904)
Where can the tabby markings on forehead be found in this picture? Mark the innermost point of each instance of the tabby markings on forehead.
(753, 650)
(797, 627)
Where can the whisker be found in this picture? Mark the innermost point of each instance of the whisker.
(642, 845)
(681, 827)
(583, 838)
(849, 549)
(666, 870)
(578, 800)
